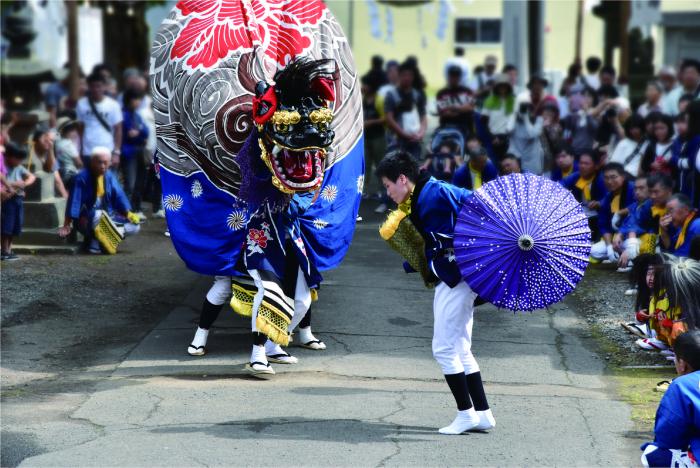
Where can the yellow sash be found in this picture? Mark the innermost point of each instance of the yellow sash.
(585, 186)
(615, 203)
(476, 176)
(684, 230)
(567, 173)
(100, 186)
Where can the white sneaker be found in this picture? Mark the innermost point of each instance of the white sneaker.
(381, 208)
(626, 269)
(631, 292)
(167, 233)
(486, 421)
(465, 420)
(160, 214)
(142, 217)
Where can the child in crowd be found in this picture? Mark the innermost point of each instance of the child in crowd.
(642, 277)
(677, 427)
(66, 149)
(18, 178)
(564, 165)
(442, 163)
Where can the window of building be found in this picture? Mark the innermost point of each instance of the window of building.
(478, 30)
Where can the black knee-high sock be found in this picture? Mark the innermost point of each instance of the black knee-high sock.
(476, 391)
(209, 314)
(259, 339)
(460, 390)
(306, 321)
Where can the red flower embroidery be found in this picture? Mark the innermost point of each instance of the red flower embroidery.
(259, 237)
(218, 27)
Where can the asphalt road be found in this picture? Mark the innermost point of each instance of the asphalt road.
(374, 398)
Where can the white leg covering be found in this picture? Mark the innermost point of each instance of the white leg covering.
(453, 310)
(130, 229)
(599, 250)
(220, 291)
(302, 300)
(257, 300)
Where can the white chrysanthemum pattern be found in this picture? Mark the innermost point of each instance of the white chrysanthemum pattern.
(172, 202)
(329, 193)
(360, 183)
(196, 189)
(319, 223)
(236, 220)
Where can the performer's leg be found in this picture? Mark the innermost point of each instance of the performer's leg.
(258, 366)
(213, 302)
(302, 301)
(473, 373)
(450, 323)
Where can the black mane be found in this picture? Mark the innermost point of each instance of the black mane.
(294, 81)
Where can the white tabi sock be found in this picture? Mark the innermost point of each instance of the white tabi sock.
(258, 354)
(486, 420)
(305, 335)
(200, 337)
(465, 420)
(272, 348)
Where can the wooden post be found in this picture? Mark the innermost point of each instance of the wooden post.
(73, 52)
(579, 32)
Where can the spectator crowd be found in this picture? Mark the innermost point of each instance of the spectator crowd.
(99, 151)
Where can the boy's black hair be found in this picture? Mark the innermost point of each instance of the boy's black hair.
(609, 69)
(634, 121)
(593, 64)
(407, 66)
(396, 163)
(614, 166)
(662, 179)
(591, 153)
(690, 63)
(131, 94)
(509, 67)
(95, 78)
(14, 150)
(687, 347)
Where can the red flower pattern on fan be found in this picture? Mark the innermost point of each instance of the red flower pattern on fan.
(220, 27)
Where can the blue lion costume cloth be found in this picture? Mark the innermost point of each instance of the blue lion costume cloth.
(260, 150)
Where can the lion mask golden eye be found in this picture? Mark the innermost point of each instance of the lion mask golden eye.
(281, 128)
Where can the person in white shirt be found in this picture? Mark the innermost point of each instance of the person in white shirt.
(690, 84)
(102, 119)
(653, 101)
(590, 79)
(629, 150)
(460, 61)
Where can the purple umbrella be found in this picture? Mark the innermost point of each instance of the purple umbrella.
(522, 242)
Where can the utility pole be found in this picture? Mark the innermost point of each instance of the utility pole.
(624, 42)
(579, 31)
(73, 52)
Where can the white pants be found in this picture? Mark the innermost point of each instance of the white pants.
(220, 292)
(453, 309)
(599, 250)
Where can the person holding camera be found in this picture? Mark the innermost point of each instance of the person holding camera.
(525, 142)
